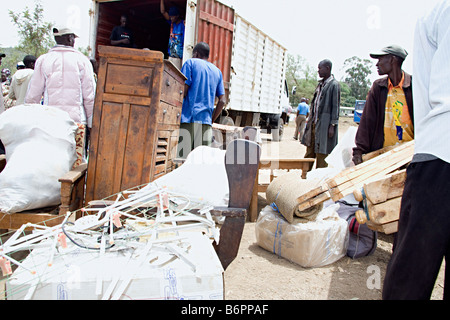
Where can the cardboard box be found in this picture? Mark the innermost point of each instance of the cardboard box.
(83, 274)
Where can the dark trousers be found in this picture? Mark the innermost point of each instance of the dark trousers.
(423, 237)
(311, 152)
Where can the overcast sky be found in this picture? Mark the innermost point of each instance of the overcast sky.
(314, 29)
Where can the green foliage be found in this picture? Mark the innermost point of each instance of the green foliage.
(347, 99)
(358, 71)
(35, 34)
(301, 75)
(13, 55)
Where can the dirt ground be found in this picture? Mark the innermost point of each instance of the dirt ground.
(257, 274)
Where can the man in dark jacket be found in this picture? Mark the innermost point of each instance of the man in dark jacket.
(388, 114)
(321, 133)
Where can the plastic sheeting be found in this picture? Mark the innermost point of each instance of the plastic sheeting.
(313, 244)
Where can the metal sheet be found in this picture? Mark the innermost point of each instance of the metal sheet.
(215, 27)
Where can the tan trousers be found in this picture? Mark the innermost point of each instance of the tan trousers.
(300, 122)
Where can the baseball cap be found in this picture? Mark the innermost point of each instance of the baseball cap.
(2, 55)
(57, 32)
(393, 49)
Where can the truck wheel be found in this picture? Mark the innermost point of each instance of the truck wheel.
(277, 133)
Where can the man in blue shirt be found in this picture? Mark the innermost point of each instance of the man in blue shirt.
(204, 83)
(300, 120)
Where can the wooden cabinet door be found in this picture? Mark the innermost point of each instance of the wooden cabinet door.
(124, 126)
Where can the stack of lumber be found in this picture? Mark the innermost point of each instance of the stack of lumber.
(380, 167)
(381, 200)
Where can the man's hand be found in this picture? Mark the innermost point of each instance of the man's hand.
(357, 159)
(331, 131)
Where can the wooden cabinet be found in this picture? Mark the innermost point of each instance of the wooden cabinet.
(136, 120)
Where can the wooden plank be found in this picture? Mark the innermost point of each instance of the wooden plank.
(377, 173)
(342, 191)
(313, 193)
(121, 144)
(385, 212)
(74, 174)
(383, 189)
(107, 153)
(314, 201)
(353, 178)
(381, 213)
(387, 162)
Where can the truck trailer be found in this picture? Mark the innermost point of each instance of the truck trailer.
(252, 63)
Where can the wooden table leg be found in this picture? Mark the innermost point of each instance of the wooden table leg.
(253, 209)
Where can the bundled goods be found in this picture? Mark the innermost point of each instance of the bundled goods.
(313, 244)
(313, 237)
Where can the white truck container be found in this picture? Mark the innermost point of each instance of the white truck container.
(252, 63)
(258, 87)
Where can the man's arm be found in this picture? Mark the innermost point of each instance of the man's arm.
(163, 11)
(219, 108)
(88, 88)
(336, 100)
(115, 35)
(12, 89)
(366, 126)
(36, 85)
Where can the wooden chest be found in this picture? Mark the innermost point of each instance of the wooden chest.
(136, 120)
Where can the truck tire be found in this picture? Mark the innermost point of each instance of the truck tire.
(277, 133)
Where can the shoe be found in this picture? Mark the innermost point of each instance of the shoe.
(295, 138)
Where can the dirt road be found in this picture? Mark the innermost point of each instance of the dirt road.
(258, 274)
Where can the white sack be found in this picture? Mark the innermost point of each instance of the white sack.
(341, 156)
(313, 244)
(40, 148)
(201, 178)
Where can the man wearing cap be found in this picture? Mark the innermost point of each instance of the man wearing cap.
(388, 114)
(21, 79)
(176, 39)
(64, 77)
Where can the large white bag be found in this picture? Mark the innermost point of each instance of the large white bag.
(312, 244)
(40, 148)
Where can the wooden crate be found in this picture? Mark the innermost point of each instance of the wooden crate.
(136, 120)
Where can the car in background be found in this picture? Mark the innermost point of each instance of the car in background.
(359, 108)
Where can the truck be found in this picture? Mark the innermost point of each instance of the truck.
(252, 63)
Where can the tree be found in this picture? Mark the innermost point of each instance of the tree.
(347, 100)
(35, 34)
(301, 75)
(357, 71)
